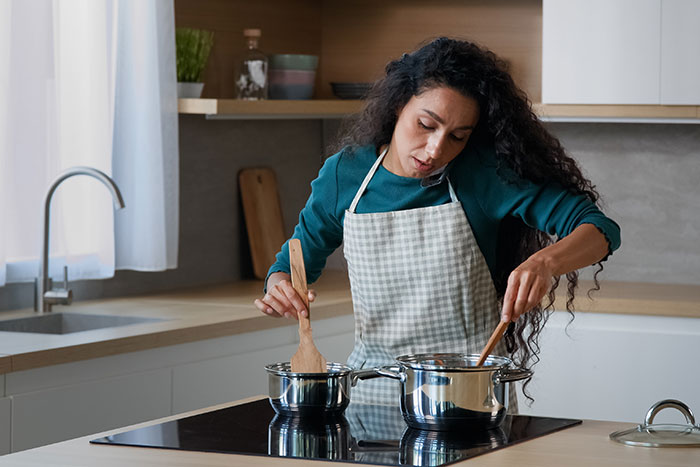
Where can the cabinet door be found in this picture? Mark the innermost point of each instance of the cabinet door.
(680, 52)
(601, 51)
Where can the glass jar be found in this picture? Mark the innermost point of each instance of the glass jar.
(251, 75)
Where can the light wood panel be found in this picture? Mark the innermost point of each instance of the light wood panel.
(360, 36)
(356, 38)
(617, 111)
(580, 446)
(287, 27)
(232, 108)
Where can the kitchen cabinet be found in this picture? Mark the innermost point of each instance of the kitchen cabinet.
(5, 428)
(620, 52)
(680, 52)
(600, 51)
(614, 367)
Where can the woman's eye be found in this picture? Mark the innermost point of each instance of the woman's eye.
(424, 126)
(458, 138)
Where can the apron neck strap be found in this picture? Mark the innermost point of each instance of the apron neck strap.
(368, 177)
(373, 170)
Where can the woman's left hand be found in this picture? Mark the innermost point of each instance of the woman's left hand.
(529, 282)
(527, 285)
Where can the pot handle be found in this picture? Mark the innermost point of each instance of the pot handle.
(393, 372)
(508, 375)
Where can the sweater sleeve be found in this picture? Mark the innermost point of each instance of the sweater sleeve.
(319, 230)
(547, 207)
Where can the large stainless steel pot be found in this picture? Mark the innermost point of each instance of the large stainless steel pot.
(444, 391)
(317, 394)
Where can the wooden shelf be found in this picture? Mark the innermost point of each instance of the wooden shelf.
(336, 108)
(269, 109)
(618, 113)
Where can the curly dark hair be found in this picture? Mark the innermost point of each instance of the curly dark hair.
(521, 143)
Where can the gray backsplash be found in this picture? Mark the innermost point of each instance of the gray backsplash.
(648, 175)
(649, 179)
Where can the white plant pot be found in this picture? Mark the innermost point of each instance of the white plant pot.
(191, 90)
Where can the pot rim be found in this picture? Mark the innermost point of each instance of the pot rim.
(335, 370)
(415, 362)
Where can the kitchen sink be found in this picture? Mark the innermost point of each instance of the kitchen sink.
(67, 323)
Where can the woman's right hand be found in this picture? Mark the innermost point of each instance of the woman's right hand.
(281, 299)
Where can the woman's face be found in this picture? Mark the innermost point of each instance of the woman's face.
(431, 130)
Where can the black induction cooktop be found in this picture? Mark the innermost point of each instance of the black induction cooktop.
(365, 434)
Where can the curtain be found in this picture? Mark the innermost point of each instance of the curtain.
(88, 82)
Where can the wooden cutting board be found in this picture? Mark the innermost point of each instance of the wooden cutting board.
(263, 217)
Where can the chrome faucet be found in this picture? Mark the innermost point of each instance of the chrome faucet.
(46, 296)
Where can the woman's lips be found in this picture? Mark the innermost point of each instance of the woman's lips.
(422, 166)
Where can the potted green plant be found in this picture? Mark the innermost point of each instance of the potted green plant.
(192, 47)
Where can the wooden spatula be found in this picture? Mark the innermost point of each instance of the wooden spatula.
(307, 359)
(493, 340)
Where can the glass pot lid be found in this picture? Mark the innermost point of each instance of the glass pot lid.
(658, 435)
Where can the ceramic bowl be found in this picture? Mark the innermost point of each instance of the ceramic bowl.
(291, 84)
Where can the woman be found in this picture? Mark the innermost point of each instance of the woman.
(445, 196)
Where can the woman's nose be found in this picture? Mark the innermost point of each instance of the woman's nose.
(435, 146)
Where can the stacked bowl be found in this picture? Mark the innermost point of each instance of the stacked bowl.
(292, 76)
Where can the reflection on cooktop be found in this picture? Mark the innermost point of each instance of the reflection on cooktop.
(366, 434)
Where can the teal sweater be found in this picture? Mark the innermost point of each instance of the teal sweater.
(486, 196)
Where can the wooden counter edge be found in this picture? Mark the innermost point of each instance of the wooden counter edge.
(634, 298)
(5, 364)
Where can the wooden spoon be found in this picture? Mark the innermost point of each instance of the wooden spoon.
(307, 359)
(493, 340)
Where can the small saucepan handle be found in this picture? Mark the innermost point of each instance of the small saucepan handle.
(393, 372)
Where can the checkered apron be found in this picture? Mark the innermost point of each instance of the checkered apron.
(419, 284)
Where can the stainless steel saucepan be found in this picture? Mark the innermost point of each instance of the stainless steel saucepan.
(443, 391)
(318, 394)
